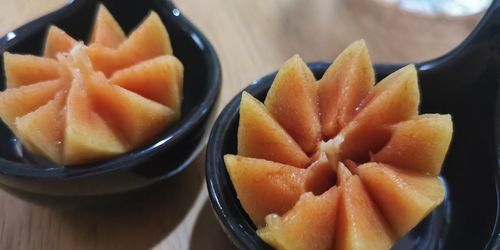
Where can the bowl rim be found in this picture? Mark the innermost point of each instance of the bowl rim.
(175, 134)
(228, 219)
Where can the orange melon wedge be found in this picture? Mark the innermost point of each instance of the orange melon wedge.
(133, 50)
(292, 101)
(297, 228)
(106, 31)
(392, 100)
(419, 144)
(260, 136)
(404, 197)
(360, 223)
(159, 79)
(57, 41)
(20, 101)
(27, 69)
(264, 187)
(43, 128)
(87, 137)
(345, 83)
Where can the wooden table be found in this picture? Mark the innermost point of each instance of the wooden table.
(252, 38)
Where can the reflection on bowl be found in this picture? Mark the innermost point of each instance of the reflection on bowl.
(39, 180)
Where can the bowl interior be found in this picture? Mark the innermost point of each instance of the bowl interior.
(201, 82)
(441, 229)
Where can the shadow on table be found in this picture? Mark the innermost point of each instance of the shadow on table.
(140, 221)
(207, 233)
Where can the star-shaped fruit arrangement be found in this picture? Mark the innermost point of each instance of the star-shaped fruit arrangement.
(77, 104)
(339, 163)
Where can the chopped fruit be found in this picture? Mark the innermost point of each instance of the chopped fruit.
(345, 83)
(62, 107)
(392, 100)
(57, 41)
(43, 128)
(87, 137)
(310, 224)
(419, 144)
(264, 187)
(16, 102)
(158, 79)
(106, 32)
(27, 69)
(260, 136)
(404, 197)
(292, 101)
(141, 120)
(133, 50)
(393, 156)
(360, 224)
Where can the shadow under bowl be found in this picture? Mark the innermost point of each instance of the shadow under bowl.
(43, 182)
(439, 230)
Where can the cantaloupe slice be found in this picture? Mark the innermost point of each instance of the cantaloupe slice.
(345, 83)
(87, 137)
(292, 101)
(360, 225)
(106, 31)
(159, 79)
(27, 69)
(43, 128)
(19, 101)
(310, 224)
(405, 198)
(419, 144)
(260, 136)
(133, 50)
(394, 99)
(264, 187)
(57, 41)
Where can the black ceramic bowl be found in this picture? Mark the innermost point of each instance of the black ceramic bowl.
(463, 83)
(169, 153)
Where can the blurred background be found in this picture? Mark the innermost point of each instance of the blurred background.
(252, 38)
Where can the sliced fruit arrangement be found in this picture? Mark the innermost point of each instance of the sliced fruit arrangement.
(79, 104)
(338, 163)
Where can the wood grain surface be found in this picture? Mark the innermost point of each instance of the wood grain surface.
(252, 38)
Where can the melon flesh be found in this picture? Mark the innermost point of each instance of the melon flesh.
(42, 129)
(57, 41)
(360, 224)
(87, 137)
(20, 101)
(292, 101)
(405, 198)
(133, 50)
(392, 100)
(264, 187)
(260, 136)
(345, 83)
(106, 31)
(27, 69)
(419, 144)
(159, 79)
(310, 224)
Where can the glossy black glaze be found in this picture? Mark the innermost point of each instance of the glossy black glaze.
(464, 83)
(165, 156)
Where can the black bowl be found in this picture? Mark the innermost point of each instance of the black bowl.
(463, 83)
(28, 177)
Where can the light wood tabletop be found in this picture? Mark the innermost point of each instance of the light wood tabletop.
(252, 38)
